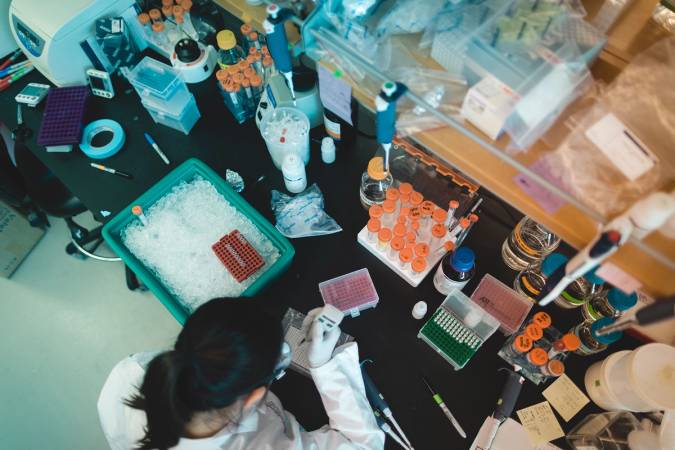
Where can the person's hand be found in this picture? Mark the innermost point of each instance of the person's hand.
(321, 344)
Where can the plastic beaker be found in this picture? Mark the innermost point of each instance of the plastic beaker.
(286, 130)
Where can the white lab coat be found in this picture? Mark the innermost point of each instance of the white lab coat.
(269, 427)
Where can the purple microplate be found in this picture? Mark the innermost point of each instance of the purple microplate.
(63, 116)
(350, 293)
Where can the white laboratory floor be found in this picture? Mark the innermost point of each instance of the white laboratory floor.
(65, 323)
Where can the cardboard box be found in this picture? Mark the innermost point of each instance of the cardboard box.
(17, 239)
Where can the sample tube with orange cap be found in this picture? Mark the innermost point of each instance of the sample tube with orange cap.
(373, 227)
(543, 319)
(410, 239)
(256, 85)
(534, 332)
(567, 343)
(221, 76)
(459, 228)
(389, 208)
(416, 199)
(418, 265)
(249, 99)
(405, 256)
(422, 250)
(268, 67)
(438, 232)
(254, 39)
(167, 10)
(553, 368)
(178, 11)
(155, 15)
(473, 218)
(393, 194)
(397, 244)
(383, 239)
(537, 356)
(257, 64)
(159, 34)
(375, 212)
(399, 230)
(403, 215)
(439, 217)
(405, 189)
(519, 347)
(144, 20)
(450, 219)
(427, 209)
(137, 211)
(179, 24)
(235, 102)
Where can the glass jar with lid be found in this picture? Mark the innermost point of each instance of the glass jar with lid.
(374, 183)
(613, 305)
(591, 342)
(528, 243)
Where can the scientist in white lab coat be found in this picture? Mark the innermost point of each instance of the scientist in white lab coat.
(212, 390)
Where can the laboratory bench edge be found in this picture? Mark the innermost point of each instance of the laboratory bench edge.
(387, 334)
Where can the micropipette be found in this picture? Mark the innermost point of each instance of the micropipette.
(505, 405)
(660, 310)
(441, 404)
(376, 400)
(277, 43)
(384, 426)
(385, 104)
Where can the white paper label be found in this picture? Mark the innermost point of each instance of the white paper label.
(332, 128)
(623, 148)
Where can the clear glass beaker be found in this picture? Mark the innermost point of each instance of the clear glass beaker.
(374, 183)
(528, 243)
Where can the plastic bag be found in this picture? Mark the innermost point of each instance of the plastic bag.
(621, 147)
(409, 16)
(302, 215)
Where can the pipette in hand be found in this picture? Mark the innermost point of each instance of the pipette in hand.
(657, 311)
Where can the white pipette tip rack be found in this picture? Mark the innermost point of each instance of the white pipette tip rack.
(413, 280)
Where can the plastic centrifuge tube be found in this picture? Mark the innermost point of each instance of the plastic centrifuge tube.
(534, 332)
(520, 346)
(473, 218)
(137, 211)
(388, 218)
(249, 100)
(405, 189)
(250, 70)
(399, 230)
(375, 212)
(422, 250)
(418, 265)
(383, 238)
(537, 357)
(457, 229)
(144, 20)
(394, 195)
(554, 368)
(396, 245)
(405, 256)
(254, 37)
(440, 216)
(268, 68)
(373, 226)
(542, 319)
(155, 15)
(257, 64)
(403, 214)
(567, 343)
(246, 29)
(427, 209)
(180, 25)
(410, 239)
(452, 207)
(160, 36)
(438, 232)
(256, 85)
(416, 199)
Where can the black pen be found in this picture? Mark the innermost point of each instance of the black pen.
(110, 170)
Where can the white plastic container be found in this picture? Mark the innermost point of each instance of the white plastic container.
(328, 150)
(293, 170)
(641, 380)
(279, 136)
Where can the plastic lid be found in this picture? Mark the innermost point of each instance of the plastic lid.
(556, 367)
(404, 212)
(186, 4)
(570, 341)
(592, 278)
(422, 250)
(144, 18)
(463, 259)
(440, 216)
(405, 188)
(388, 206)
(538, 356)
(400, 219)
(605, 339)
(415, 214)
(256, 81)
(405, 255)
(384, 234)
(416, 198)
(419, 264)
(376, 168)
(167, 11)
(158, 27)
(415, 225)
(552, 262)
(454, 204)
(226, 39)
(178, 11)
(427, 208)
(167, 2)
(473, 218)
(464, 223)
(542, 319)
(620, 300)
(136, 210)
(397, 243)
(410, 236)
(438, 230)
(246, 83)
(374, 225)
(250, 59)
(448, 246)
(221, 75)
(252, 51)
(267, 61)
(405, 198)
(522, 343)
(393, 194)
(534, 331)
(399, 230)
(155, 14)
(249, 72)
(375, 211)
(245, 29)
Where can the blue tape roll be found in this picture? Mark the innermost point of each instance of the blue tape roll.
(108, 150)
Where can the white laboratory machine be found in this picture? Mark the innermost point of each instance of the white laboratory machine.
(50, 33)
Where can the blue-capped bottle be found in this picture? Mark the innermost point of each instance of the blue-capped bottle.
(612, 305)
(591, 342)
(455, 270)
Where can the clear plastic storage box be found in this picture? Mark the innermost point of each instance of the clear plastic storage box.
(183, 121)
(159, 86)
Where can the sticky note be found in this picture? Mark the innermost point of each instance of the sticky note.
(335, 93)
(540, 423)
(548, 201)
(565, 397)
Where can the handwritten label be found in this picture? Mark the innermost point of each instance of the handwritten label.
(335, 93)
(540, 423)
(565, 397)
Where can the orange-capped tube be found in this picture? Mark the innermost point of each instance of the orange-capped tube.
(178, 11)
(167, 10)
(554, 368)
(383, 238)
(375, 212)
(167, 3)
(542, 319)
(401, 219)
(155, 15)
(389, 207)
(415, 226)
(249, 72)
(415, 214)
(461, 226)
(394, 195)
(418, 265)
(405, 188)
(245, 29)
(534, 332)
(473, 218)
(452, 208)
(238, 77)
(567, 343)
(440, 216)
(438, 232)
(373, 226)
(144, 19)
(405, 256)
(252, 51)
(537, 356)
(137, 211)
(520, 346)
(410, 238)
(186, 5)
(396, 245)
(416, 199)
(221, 75)
(427, 208)
(421, 250)
(404, 200)
(179, 20)
(399, 230)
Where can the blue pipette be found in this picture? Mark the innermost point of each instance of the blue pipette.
(385, 104)
(277, 42)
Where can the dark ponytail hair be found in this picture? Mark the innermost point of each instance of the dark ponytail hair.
(227, 348)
